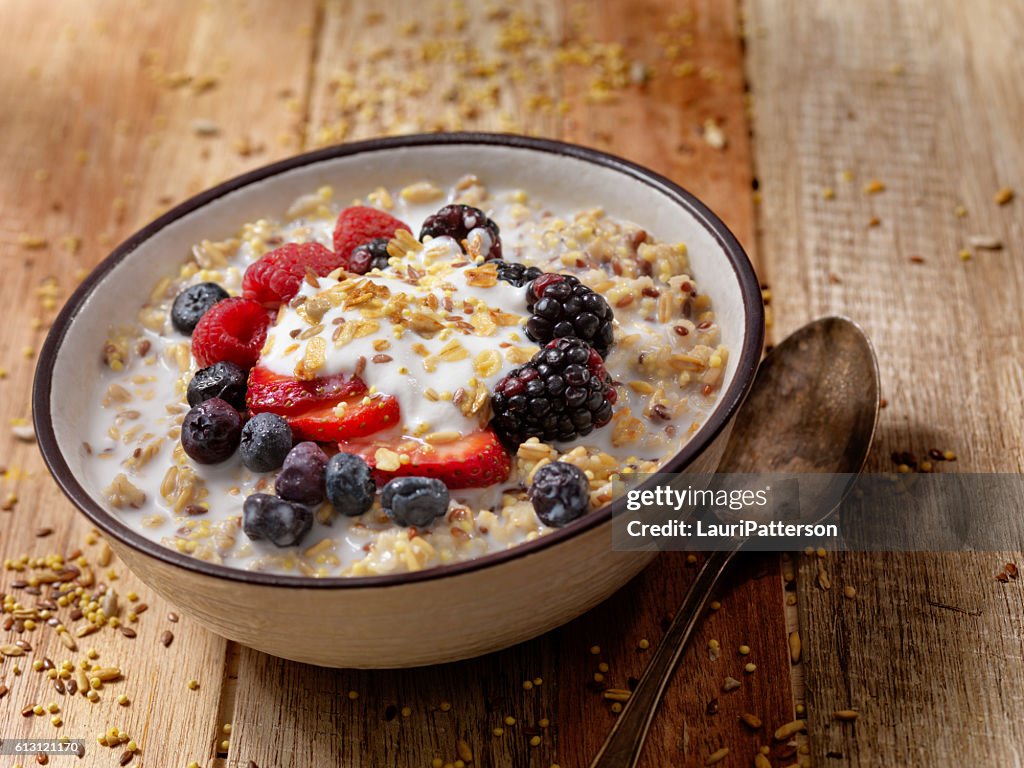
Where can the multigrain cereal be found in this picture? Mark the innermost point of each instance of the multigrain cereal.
(588, 343)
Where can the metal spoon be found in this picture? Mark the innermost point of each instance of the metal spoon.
(813, 408)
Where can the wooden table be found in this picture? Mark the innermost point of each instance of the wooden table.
(877, 135)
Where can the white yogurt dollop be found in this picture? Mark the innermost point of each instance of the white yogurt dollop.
(430, 325)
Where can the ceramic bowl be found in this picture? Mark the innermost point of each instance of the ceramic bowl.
(445, 613)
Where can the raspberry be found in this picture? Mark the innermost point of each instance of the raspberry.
(458, 221)
(562, 306)
(276, 277)
(564, 392)
(233, 330)
(359, 224)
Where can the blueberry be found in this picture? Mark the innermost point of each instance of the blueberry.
(414, 501)
(283, 523)
(560, 493)
(266, 441)
(302, 476)
(194, 302)
(350, 486)
(224, 380)
(210, 431)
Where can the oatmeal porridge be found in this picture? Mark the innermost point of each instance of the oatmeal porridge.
(419, 377)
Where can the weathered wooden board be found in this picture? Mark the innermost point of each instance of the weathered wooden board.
(99, 133)
(925, 98)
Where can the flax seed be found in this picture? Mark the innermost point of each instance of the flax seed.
(166, 638)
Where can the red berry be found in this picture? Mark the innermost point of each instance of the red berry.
(309, 406)
(276, 277)
(360, 224)
(233, 330)
(476, 461)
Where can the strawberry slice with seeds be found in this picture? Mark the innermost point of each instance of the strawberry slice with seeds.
(351, 418)
(325, 409)
(287, 396)
(476, 460)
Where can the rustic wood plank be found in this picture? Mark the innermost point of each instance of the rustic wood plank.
(99, 133)
(929, 648)
(363, 87)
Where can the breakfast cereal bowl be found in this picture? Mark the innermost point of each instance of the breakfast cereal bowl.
(406, 364)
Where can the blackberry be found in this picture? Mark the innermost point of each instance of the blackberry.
(560, 493)
(516, 274)
(564, 392)
(369, 256)
(458, 221)
(563, 307)
(191, 304)
(224, 380)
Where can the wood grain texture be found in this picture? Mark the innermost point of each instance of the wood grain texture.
(100, 104)
(362, 87)
(929, 649)
(120, 111)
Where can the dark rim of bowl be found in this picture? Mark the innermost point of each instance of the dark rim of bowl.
(729, 402)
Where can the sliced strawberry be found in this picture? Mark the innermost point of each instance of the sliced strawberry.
(476, 461)
(286, 395)
(361, 417)
(310, 406)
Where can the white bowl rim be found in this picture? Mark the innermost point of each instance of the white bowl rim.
(729, 401)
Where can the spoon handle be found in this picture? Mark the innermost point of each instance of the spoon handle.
(622, 747)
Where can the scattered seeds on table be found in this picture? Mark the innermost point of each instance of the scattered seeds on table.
(717, 756)
(985, 242)
(751, 721)
(790, 729)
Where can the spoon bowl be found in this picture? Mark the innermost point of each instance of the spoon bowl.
(812, 409)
